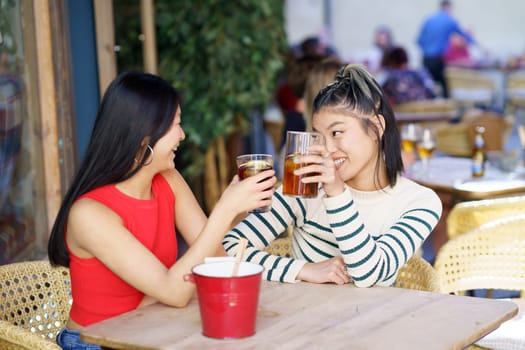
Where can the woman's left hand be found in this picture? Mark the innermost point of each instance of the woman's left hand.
(328, 271)
(321, 169)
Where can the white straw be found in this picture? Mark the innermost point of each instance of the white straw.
(242, 246)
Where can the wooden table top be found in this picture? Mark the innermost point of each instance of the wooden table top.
(453, 175)
(306, 316)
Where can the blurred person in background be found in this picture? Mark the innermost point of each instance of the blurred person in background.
(383, 41)
(311, 46)
(433, 39)
(457, 52)
(296, 77)
(461, 53)
(320, 75)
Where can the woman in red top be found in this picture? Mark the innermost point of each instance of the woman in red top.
(116, 227)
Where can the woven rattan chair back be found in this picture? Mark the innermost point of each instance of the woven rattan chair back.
(35, 304)
(489, 257)
(281, 246)
(469, 87)
(457, 139)
(417, 274)
(515, 90)
(466, 216)
(428, 106)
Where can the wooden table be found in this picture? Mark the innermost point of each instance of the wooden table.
(313, 316)
(510, 334)
(453, 175)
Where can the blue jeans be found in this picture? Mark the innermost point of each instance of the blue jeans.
(69, 339)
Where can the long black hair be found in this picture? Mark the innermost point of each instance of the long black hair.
(135, 106)
(354, 89)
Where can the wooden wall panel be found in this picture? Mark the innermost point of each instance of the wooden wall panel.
(105, 32)
(48, 108)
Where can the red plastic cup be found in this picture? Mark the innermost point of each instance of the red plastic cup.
(228, 305)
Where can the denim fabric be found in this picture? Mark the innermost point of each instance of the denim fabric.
(70, 340)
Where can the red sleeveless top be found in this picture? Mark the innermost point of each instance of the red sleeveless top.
(97, 292)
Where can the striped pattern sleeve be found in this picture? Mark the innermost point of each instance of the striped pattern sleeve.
(260, 229)
(376, 259)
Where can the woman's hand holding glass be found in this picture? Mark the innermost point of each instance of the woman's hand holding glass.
(321, 169)
(253, 192)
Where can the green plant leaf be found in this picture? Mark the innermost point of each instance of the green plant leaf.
(223, 56)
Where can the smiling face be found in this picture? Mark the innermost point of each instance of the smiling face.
(353, 147)
(166, 146)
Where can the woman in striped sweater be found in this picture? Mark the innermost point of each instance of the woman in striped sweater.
(368, 219)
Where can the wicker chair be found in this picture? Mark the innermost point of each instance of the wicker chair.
(515, 91)
(458, 139)
(435, 113)
(469, 87)
(418, 274)
(281, 246)
(488, 257)
(466, 216)
(445, 106)
(36, 299)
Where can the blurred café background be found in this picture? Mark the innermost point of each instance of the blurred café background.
(349, 25)
(57, 57)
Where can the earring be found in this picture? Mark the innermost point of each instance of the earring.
(151, 155)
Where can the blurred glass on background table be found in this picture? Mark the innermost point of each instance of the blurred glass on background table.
(410, 134)
(426, 145)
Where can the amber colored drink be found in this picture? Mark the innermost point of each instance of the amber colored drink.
(425, 151)
(408, 145)
(410, 133)
(292, 184)
(253, 167)
(427, 145)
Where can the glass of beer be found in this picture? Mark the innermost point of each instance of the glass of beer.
(410, 133)
(252, 164)
(426, 145)
(296, 145)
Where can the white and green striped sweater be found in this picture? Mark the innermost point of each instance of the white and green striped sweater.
(375, 232)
